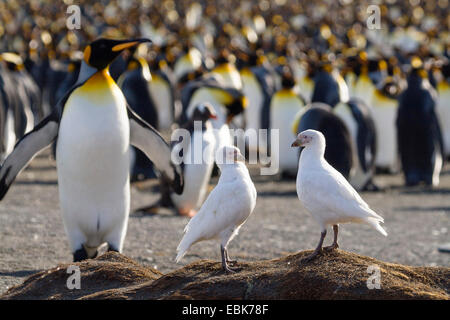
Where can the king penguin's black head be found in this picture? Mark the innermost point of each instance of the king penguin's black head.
(238, 104)
(100, 53)
(204, 112)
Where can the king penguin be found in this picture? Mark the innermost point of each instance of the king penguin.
(95, 127)
(135, 85)
(162, 88)
(358, 119)
(227, 103)
(306, 82)
(363, 87)
(284, 106)
(443, 107)
(189, 62)
(30, 87)
(196, 152)
(10, 110)
(329, 86)
(350, 72)
(227, 72)
(258, 87)
(228, 75)
(384, 112)
(320, 116)
(24, 116)
(418, 131)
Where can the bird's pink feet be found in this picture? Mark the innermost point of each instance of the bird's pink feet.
(188, 213)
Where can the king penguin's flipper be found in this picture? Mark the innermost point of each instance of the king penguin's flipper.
(366, 135)
(148, 140)
(30, 144)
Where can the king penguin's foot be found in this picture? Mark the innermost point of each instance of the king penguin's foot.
(371, 186)
(80, 255)
(150, 210)
(412, 179)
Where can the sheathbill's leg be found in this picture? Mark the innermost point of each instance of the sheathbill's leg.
(335, 244)
(318, 250)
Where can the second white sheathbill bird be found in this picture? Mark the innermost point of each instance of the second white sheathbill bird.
(226, 209)
(326, 194)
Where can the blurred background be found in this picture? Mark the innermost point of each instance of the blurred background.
(367, 53)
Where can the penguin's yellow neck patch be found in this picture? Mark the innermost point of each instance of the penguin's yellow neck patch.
(443, 85)
(246, 72)
(221, 96)
(224, 68)
(99, 91)
(364, 77)
(101, 81)
(296, 121)
(286, 93)
(306, 80)
(381, 100)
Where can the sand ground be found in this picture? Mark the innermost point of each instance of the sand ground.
(32, 234)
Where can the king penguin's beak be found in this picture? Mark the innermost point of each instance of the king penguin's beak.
(125, 44)
(213, 116)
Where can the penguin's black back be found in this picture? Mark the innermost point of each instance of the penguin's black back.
(326, 89)
(136, 91)
(338, 151)
(268, 88)
(418, 132)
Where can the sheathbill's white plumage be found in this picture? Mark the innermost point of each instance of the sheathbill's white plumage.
(227, 207)
(325, 193)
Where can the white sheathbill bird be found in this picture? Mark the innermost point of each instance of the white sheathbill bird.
(325, 193)
(226, 209)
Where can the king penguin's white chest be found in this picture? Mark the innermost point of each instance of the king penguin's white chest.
(92, 152)
(94, 128)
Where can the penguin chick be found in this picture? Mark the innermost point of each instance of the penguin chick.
(326, 194)
(226, 209)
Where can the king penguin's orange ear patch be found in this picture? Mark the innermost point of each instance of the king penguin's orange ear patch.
(87, 54)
